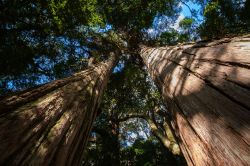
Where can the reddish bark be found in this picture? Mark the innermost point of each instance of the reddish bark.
(206, 87)
(50, 124)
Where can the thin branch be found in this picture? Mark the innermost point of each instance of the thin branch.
(130, 116)
(189, 8)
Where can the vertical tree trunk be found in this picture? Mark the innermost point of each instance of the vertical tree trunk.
(50, 124)
(206, 87)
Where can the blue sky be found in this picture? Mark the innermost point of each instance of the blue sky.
(186, 12)
(161, 24)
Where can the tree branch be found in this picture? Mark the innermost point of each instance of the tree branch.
(167, 140)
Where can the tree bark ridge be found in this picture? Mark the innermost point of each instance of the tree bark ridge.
(50, 124)
(206, 87)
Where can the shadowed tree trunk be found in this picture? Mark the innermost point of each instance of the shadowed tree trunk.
(206, 87)
(50, 124)
(110, 144)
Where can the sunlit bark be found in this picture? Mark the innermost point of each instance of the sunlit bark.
(206, 89)
(50, 124)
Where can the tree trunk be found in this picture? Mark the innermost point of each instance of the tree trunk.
(206, 87)
(166, 138)
(50, 124)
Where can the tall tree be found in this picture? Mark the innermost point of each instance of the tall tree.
(125, 107)
(138, 98)
(50, 37)
(50, 124)
(206, 88)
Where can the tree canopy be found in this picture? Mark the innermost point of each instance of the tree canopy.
(46, 40)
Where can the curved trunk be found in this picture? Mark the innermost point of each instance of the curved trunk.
(50, 124)
(167, 139)
(166, 136)
(206, 87)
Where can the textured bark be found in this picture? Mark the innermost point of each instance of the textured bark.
(50, 124)
(206, 87)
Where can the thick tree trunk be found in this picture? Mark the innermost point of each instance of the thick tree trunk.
(50, 124)
(206, 87)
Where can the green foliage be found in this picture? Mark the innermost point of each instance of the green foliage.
(46, 40)
(225, 17)
(169, 38)
(186, 32)
(41, 40)
(211, 9)
(84, 11)
(213, 20)
(173, 37)
(186, 23)
(129, 92)
(135, 14)
(147, 153)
